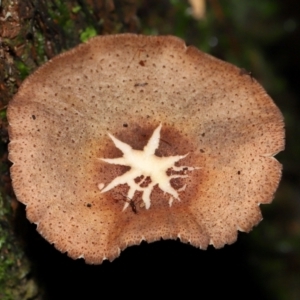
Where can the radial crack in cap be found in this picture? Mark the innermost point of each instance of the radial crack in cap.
(129, 138)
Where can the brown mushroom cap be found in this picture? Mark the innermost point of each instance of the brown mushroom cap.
(126, 85)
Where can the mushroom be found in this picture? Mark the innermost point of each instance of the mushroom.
(128, 138)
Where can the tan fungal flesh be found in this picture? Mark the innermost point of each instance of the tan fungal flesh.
(126, 85)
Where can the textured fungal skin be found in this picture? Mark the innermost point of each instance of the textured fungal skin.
(126, 85)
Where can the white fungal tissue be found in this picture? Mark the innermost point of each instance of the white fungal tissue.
(145, 164)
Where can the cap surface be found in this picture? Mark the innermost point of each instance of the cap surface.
(129, 138)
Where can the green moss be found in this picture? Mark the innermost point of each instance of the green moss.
(3, 114)
(13, 265)
(87, 33)
(23, 69)
(60, 14)
(76, 9)
(40, 47)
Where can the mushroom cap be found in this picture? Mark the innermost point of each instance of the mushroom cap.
(126, 86)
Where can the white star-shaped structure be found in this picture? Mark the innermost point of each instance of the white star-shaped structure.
(144, 163)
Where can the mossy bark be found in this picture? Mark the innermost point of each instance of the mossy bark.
(32, 32)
